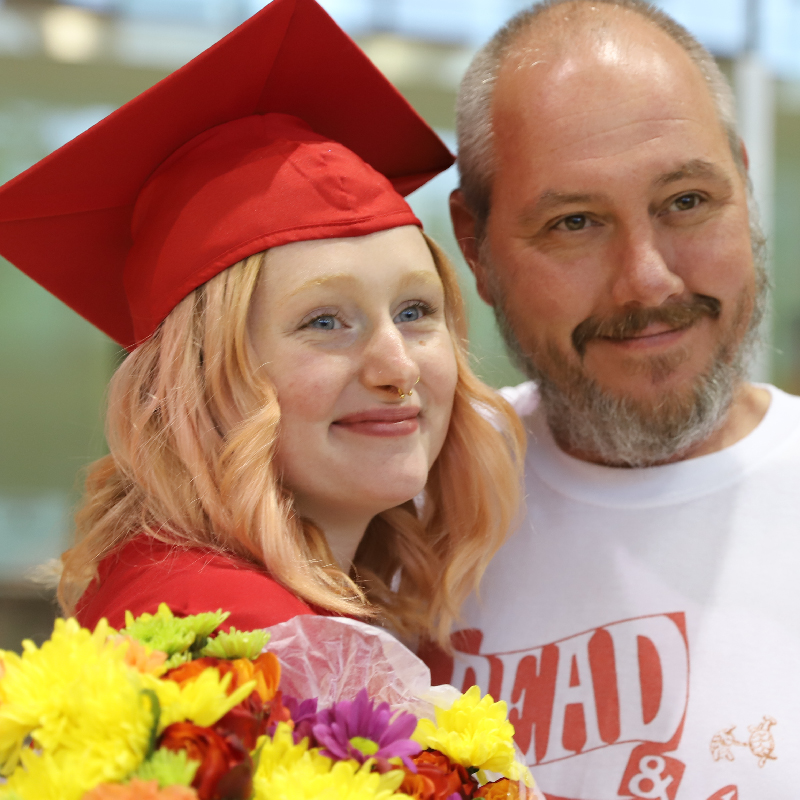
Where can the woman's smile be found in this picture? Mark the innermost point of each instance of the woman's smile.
(382, 421)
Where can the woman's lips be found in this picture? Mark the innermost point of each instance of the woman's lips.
(390, 421)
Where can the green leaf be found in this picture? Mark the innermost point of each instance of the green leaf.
(155, 705)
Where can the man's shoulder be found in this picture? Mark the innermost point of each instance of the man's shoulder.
(524, 398)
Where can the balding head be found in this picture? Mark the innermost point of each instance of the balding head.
(549, 36)
(604, 212)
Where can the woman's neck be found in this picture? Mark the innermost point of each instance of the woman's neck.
(343, 541)
(343, 531)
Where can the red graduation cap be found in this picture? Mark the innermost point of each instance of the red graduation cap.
(280, 132)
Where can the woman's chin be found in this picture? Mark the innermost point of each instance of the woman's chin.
(396, 492)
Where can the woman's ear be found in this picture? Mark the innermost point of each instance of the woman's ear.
(464, 226)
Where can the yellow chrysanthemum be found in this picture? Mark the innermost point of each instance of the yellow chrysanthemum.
(474, 732)
(83, 708)
(288, 771)
(352, 781)
(203, 700)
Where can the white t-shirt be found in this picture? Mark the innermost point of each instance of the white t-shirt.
(644, 624)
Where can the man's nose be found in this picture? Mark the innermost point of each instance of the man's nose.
(387, 361)
(644, 274)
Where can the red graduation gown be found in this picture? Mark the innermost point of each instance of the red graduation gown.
(145, 572)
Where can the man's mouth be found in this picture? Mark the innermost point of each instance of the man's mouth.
(644, 323)
(659, 329)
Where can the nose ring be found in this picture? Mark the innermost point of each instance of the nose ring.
(410, 391)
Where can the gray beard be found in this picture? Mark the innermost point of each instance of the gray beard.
(621, 431)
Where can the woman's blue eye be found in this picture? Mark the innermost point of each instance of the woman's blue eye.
(325, 322)
(410, 314)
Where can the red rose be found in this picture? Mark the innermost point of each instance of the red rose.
(226, 769)
(252, 718)
(437, 778)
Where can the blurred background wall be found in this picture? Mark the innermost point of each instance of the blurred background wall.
(65, 65)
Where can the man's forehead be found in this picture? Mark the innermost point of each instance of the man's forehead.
(560, 29)
(573, 39)
(581, 89)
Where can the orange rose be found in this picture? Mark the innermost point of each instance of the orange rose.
(265, 670)
(139, 790)
(226, 769)
(504, 789)
(190, 670)
(437, 778)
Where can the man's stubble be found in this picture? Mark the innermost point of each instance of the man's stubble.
(622, 431)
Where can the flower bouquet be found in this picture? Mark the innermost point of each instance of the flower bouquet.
(170, 708)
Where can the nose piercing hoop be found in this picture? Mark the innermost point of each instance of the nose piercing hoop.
(410, 391)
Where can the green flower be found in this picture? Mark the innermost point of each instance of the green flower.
(168, 768)
(236, 644)
(173, 635)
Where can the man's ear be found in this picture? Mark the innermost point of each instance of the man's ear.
(745, 156)
(464, 224)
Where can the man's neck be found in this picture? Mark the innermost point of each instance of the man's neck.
(748, 408)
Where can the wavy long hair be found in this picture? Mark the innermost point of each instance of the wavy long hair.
(192, 428)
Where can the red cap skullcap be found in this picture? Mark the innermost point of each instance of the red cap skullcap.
(282, 131)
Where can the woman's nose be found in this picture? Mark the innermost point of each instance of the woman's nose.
(388, 365)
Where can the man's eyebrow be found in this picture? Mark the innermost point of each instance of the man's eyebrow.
(551, 199)
(696, 168)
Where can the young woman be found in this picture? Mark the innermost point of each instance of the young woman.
(296, 429)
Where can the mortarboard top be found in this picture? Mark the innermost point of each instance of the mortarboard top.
(281, 131)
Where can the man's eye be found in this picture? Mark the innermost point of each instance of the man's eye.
(324, 322)
(686, 202)
(413, 313)
(574, 222)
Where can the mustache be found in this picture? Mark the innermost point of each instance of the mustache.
(623, 325)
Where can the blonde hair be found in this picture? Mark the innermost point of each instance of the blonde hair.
(192, 428)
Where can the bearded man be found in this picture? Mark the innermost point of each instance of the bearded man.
(643, 622)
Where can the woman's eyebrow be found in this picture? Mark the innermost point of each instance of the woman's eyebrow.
(335, 280)
(419, 276)
(345, 280)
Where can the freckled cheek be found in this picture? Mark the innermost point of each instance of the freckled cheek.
(309, 388)
(439, 373)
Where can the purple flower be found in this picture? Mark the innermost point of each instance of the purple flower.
(304, 716)
(359, 730)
